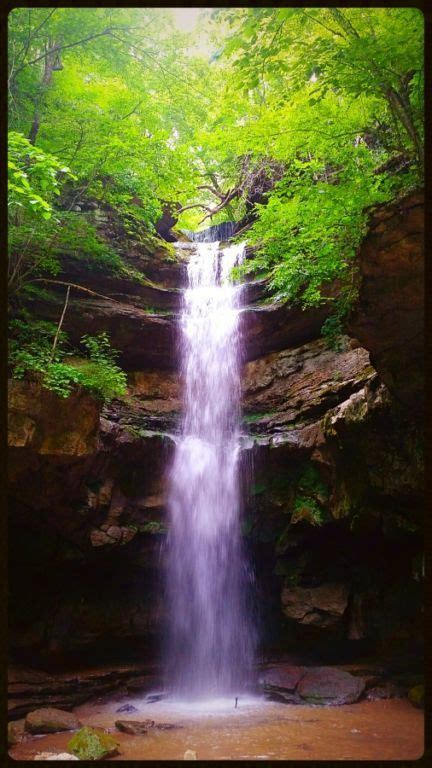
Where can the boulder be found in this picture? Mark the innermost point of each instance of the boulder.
(283, 677)
(51, 720)
(330, 685)
(136, 727)
(92, 744)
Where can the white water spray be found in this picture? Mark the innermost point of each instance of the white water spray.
(210, 637)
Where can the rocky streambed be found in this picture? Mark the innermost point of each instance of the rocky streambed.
(257, 730)
(355, 711)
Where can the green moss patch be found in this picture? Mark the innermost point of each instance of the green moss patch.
(92, 744)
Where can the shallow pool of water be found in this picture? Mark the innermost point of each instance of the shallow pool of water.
(257, 730)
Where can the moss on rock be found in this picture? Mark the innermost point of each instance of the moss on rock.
(92, 744)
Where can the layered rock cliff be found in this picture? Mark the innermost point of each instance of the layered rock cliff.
(332, 510)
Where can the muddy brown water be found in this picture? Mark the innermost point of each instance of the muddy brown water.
(389, 729)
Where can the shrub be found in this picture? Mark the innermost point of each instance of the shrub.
(30, 354)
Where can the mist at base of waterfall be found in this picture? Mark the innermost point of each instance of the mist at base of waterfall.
(173, 704)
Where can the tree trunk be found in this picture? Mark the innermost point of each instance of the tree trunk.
(49, 61)
(403, 112)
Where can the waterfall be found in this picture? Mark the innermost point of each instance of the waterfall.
(223, 231)
(210, 634)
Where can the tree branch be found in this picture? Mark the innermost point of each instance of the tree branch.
(193, 205)
(57, 48)
(73, 285)
(317, 21)
(211, 212)
(57, 334)
(215, 192)
(161, 66)
(132, 110)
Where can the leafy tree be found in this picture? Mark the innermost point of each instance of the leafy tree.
(299, 121)
(34, 179)
(336, 96)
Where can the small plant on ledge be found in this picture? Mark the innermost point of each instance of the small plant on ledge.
(32, 354)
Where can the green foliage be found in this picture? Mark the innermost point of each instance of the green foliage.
(30, 345)
(300, 112)
(31, 354)
(333, 94)
(307, 509)
(310, 228)
(78, 238)
(154, 527)
(33, 178)
(311, 482)
(116, 107)
(92, 744)
(312, 494)
(332, 332)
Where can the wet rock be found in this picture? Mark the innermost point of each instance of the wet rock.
(283, 677)
(51, 720)
(127, 708)
(329, 685)
(301, 383)
(321, 606)
(111, 535)
(54, 756)
(28, 688)
(385, 690)
(284, 697)
(134, 727)
(152, 697)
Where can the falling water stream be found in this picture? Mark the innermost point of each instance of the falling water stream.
(210, 637)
